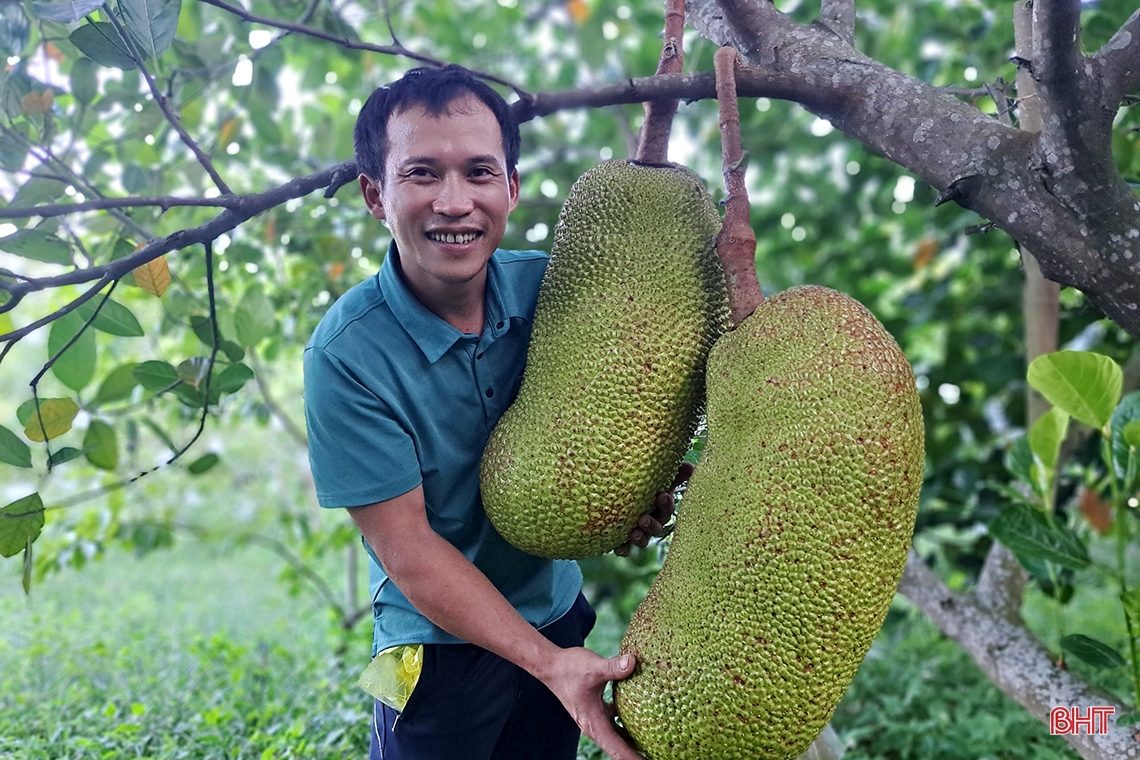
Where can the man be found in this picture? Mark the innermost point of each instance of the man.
(404, 380)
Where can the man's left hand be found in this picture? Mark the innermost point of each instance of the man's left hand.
(651, 523)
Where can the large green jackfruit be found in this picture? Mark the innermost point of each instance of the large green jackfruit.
(632, 301)
(790, 540)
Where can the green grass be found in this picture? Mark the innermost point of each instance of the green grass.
(184, 653)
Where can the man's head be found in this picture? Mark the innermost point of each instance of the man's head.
(433, 90)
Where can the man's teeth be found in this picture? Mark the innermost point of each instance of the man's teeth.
(448, 237)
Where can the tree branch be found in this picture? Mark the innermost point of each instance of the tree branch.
(103, 204)
(1119, 61)
(1016, 662)
(396, 49)
(839, 17)
(654, 147)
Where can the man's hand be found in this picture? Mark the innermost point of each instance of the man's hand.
(578, 677)
(651, 523)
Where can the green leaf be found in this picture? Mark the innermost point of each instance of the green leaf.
(118, 384)
(38, 246)
(13, 152)
(38, 190)
(1127, 413)
(232, 378)
(203, 327)
(1084, 384)
(1095, 653)
(1128, 719)
(25, 411)
(20, 524)
(135, 179)
(14, 28)
(1047, 434)
(75, 366)
(155, 375)
(65, 11)
(151, 24)
(26, 579)
(1019, 460)
(101, 445)
(100, 41)
(193, 371)
(233, 351)
(1028, 533)
(162, 435)
(254, 319)
(113, 318)
(1130, 600)
(65, 454)
(202, 464)
(1132, 433)
(13, 451)
(84, 80)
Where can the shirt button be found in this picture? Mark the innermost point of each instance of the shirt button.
(479, 355)
(498, 325)
(490, 392)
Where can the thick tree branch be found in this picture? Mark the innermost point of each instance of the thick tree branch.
(1015, 662)
(839, 17)
(1119, 61)
(654, 147)
(396, 49)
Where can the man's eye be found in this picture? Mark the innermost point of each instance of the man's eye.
(482, 171)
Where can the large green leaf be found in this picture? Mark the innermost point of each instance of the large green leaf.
(1047, 434)
(75, 366)
(254, 319)
(1095, 653)
(1084, 384)
(39, 190)
(1127, 412)
(20, 523)
(1028, 533)
(100, 41)
(84, 80)
(155, 375)
(101, 446)
(151, 24)
(37, 245)
(113, 318)
(13, 451)
(117, 385)
(66, 11)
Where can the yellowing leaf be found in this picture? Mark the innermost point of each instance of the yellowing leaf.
(153, 276)
(579, 10)
(227, 131)
(38, 103)
(57, 415)
(924, 252)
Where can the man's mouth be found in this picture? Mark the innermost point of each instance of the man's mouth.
(452, 237)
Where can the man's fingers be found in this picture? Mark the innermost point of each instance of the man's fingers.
(623, 550)
(684, 472)
(663, 507)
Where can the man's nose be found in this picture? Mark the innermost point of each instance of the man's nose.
(454, 199)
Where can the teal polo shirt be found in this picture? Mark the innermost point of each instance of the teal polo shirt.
(396, 397)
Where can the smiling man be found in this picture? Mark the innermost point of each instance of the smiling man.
(405, 378)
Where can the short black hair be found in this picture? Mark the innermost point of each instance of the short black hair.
(433, 89)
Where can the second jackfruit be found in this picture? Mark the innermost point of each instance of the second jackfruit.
(631, 302)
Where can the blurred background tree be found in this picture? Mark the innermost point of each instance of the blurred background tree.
(173, 123)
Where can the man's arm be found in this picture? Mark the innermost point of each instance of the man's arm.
(455, 595)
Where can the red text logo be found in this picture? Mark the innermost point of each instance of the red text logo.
(1069, 720)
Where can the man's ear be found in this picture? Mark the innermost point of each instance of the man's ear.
(513, 188)
(370, 189)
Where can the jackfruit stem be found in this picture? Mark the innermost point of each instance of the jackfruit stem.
(736, 242)
(654, 146)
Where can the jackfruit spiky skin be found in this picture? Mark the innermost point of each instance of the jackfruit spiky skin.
(632, 301)
(790, 540)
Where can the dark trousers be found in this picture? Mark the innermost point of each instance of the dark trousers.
(470, 704)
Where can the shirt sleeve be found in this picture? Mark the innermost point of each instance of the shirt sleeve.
(359, 451)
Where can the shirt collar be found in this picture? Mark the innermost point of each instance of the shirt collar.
(433, 335)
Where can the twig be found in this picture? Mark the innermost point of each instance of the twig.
(654, 148)
(398, 50)
(736, 242)
(388, 21)
(105, 203)
(171, 117)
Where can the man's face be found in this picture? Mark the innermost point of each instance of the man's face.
(446, 193)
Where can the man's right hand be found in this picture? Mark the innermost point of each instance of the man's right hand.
(578, 677)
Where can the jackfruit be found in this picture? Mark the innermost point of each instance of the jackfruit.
(631, 303)
(790, 540)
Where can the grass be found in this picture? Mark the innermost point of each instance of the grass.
(184, 653)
